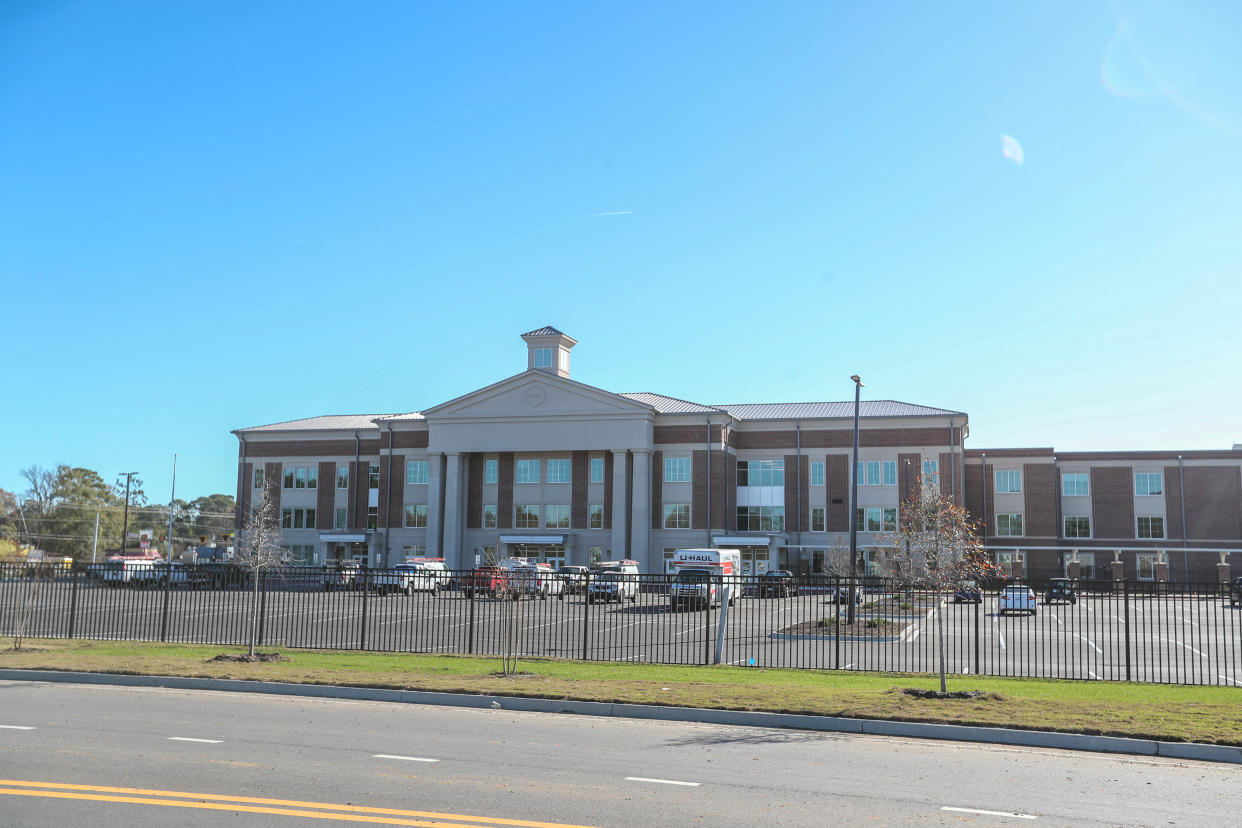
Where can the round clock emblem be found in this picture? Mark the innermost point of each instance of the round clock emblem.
(536, 396)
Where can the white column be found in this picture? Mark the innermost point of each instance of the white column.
(619, 518)
(433, 505)
(452, 509)
(640, 527)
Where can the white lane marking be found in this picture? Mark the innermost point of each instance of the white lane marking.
(1119, 618)
(999, 634)
(1054, 618)
(404, 758)
(610, 629)
(1187, 620)
(1093, 675)
(1089, 641)
(662, 781)
(1089, 610)
(1180, 644)
(553, 623)
(989, 813)
(692, 629)
(15, 727)
(189, 739)
(1226, 678)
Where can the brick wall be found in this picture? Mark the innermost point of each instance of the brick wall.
(1039, 492)
(325, 498)
(504, 491)
(608, 463)
(1213, 502)
(657, 490)
(581, 476)
(837, 470)
(273, 482)
(1112, 502)
(474, 491)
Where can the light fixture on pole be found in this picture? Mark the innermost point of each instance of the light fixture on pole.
(125, 521)
(858, 384)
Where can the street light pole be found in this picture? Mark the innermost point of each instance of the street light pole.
(125, 521)
(858, 384)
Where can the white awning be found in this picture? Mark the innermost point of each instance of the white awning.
(730, 540)
(532, 538)
(343, 538)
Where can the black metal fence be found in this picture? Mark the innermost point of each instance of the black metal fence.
(1112, 631)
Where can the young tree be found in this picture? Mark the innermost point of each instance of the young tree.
(936, 547)
(258, 549)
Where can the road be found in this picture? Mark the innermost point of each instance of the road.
(1107, 636)
(119, 757)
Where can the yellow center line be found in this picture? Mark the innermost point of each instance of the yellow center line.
(354, 813)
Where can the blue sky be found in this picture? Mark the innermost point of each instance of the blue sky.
(216, 215)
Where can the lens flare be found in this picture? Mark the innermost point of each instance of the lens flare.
(1011, 149)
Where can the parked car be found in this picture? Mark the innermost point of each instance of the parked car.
(779, 583)
(573, 580)
(968, 592)
(485, 580)
(1235, 592)
(1017, 598)
(841, 594)
(1061, 591)
(613, 586)
(344, 576)
(176, 574)
(535, 581)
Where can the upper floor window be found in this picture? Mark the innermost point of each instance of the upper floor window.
(373, 477)
(543, 357)
(761, 473)
(527, 471)
(1148, 483)
(559, 471)
(491, 471)
(416, 472)
(1151, 527)
(342, 516)
(817, 518)
(877, 473)
(597, 470)
(302, 477)
(556, 517)
(817, 473)
(1078, 527)
(526, 516)
(1009, 525)
(489, 516)
(297, 518)
(676, 469)
(931, 471)
(1075, 484)
(416, 515)
(876, 519)
(595, 516)
(1008, 481)
(258, 478)
(761, 518)
(342, 477)
(676, 515)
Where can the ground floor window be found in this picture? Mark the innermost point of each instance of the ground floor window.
(1008, 561)
(338, 552)
(489, 556)
(668, 559)
(1086, 566)
(299, 554)
(414, 551)
(595, 554)
(1146, 564)
(755, 560)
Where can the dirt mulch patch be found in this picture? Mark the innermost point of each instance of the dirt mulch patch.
(24, 650)
(257, 658)
(861, 626)
(954, 694)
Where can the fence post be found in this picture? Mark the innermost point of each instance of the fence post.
(586, 613)
(366, 589)
(720, 624)
(836, 628)
(470, 632)
(707, 626)
(1125, 598)
(164, 610)
(73, 601)
(262, 605)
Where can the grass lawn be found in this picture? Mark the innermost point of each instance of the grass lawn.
(1153, 711)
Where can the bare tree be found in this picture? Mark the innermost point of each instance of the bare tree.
(258, 549)
(936, 547)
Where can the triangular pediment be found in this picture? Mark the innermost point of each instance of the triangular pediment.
(536, 394)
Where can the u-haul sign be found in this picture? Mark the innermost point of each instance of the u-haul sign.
(728, 561)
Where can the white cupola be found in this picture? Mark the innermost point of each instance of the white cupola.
(547, 349)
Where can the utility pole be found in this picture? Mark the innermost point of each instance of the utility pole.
(172, 501)
(125, 521)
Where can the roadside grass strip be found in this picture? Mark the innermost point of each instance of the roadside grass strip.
(262, 805)
(1164, 712)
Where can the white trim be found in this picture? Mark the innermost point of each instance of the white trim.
(532, 538)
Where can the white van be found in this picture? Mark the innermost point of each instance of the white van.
(421, 575)
(702, 575)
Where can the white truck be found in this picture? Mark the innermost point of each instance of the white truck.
(702, 575)
(133, 572)
(411, 576)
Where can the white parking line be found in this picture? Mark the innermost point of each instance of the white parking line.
(662, 781)
(999, 634)
(692, 629)
(24, 727)
(1089, 641)
(1058, 620)
(188, 739)
(1231, 680)
(989, 813)
(403, 758)
(610, 629)
(1093, 675)
(1180, 644)
(1184, 618)
(1119, 618)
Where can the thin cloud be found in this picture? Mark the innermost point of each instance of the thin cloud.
(612, 213)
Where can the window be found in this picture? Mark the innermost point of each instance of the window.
(1009, 525)
(299, 554)
(342, 477)
(597, 470)
(543, 357)
(556, 517)
(877, 473)
(489, 516)
(527, 471)
(1008, 481)
(877, 519)
(416, 472)
(526, 517)
(312, 477)
(299, 478)
(564, 360)
(373, 477)
(414, 551)
(595, 554)
(817, 472)
(676, 469)
(416, 515)
(1149, 483)
(1151, 527)
(677, 516)
(342, 517)
(289, 478)
(559, 471)
(761, 518)
(818, 522)
(931, 471)
(297, 518)
(595, 516)
(491, 471)
(258, 478)
(761, 473)
(372, 517)
(1078, 527)
(1075, 484)
(1146, 565)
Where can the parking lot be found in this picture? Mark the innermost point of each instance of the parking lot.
(1169, 638)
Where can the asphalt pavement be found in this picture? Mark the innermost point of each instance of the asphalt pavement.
(109, 757)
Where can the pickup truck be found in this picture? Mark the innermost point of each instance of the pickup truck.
(410, 578)
(487, 580)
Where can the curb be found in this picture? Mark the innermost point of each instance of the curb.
(831, 724)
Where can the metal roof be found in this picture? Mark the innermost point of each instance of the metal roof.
(670, 405)
(328, 422)
(401, 418)
(832, 410)
(546, 330)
